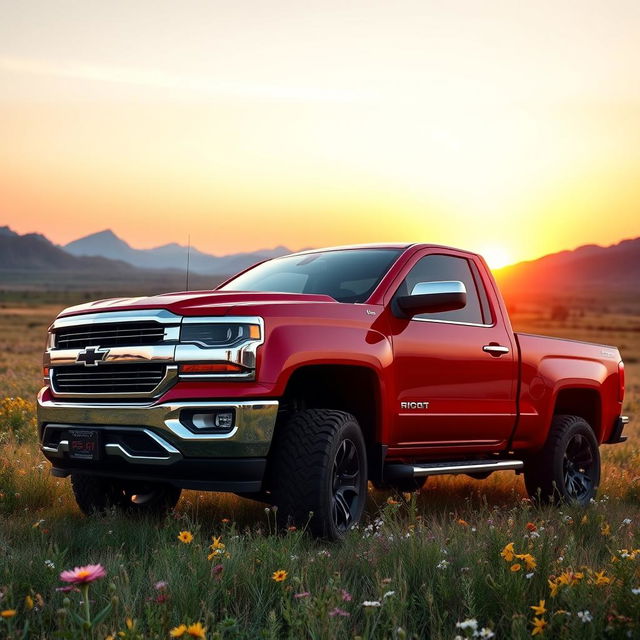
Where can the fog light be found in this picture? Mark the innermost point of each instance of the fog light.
(212, 422)
(224, 420)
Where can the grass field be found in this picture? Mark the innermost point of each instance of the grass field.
(422, 566)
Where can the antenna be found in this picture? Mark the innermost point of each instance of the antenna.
(188, 257)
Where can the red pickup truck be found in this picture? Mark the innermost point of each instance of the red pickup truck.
(305, 377)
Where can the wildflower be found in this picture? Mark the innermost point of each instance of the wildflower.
(636, 591)
(371, 603)
(225, 521)
(83, 575)
(585, 616)
(279, 575)
(508, 553)
(303, 594)
(346, 596)
(516, 567)
(388, 594)
(196, 630)
(160, 585)
(292, 528)
(469, 623)
(529, 560)
(28, 603)
(539, 625)
(486, 633)
(626, 521)
(49, 564)
(217, 570)
(539, 609)
(216, 543)
(179, 631)
(530, 575)
(531, 527)
(605, 529)
(36, 524)
(186, 537)
(443, 564)
(339, 612)
(463, 523)
(391, 501)
(601, 578)
(8, 613)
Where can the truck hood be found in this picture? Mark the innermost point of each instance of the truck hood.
(200, 303)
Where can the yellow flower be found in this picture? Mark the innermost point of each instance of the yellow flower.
(391, 501)
(130, 623)
(28, 603)
(186, 537)
(216, 543)
(539, 625)
(529, 560)
(605, 529)
(516, 567)
(553, 586)
(279, 576)
(196, 630)
(507, 553)
(178, 632)
(8, 613)
(600, 578)
(539, 609)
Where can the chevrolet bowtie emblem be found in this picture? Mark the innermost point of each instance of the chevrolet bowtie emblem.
(90, 356)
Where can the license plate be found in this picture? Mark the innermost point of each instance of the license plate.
(84, 444)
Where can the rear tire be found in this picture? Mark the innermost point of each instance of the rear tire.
(567, 469)
(319, 472)
(95, 494)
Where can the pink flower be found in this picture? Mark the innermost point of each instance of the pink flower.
(160, 585)
(346, 596)
(83, 575)
(304, 594)
(339, 612)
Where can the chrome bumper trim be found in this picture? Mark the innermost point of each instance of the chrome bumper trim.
(251, 436)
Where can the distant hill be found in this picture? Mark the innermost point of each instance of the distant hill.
(169, 256)
(589, 270)
(34, 252)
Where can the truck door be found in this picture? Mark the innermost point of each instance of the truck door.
(454, 371)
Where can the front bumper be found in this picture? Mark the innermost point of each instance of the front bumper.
(154, 440)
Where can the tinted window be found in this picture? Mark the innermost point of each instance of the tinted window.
(436, 267)
(348, 275)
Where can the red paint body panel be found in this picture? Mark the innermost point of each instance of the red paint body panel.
(478, 403)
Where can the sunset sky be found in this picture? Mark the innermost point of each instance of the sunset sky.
(510, 128)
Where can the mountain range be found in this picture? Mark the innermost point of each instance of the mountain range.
(169, 256)
(590, 272)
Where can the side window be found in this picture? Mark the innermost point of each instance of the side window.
(437, 267)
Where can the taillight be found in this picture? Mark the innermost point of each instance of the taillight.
(620, 381)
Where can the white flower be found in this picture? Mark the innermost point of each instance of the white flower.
(636, 591)
(485, 632)
(443, 564)
(469, 623)
(585, 616)
(626, 521)
(528, 576)
(388, 594)
(371, 603)
(49, 564)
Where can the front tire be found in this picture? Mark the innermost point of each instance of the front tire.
(319, 472)
(95, 494)
(567, 469)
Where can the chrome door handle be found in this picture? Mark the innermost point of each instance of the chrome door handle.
(496, 350)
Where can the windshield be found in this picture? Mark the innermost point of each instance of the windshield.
(348, 275)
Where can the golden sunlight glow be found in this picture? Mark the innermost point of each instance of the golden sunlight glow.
(496, 257)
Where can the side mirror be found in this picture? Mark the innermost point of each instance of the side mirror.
(433, 297)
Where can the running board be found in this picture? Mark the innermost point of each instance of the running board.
(399, 471)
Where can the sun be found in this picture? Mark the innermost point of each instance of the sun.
(496, 257)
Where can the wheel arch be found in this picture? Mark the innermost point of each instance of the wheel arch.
(585, 402)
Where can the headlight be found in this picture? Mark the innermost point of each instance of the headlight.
(218, 334)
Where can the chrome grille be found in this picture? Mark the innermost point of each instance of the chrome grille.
(111, 378)
(113, 334)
